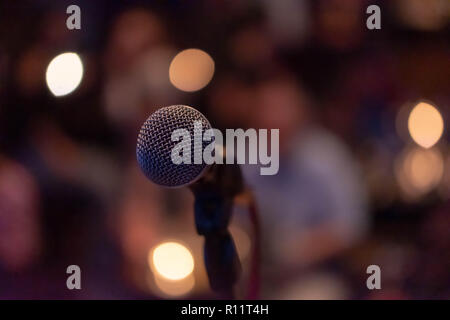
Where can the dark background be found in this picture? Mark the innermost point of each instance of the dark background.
(71, 191)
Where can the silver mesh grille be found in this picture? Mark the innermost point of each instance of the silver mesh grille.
(154, 145)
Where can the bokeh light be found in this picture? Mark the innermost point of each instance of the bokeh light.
(425, 125)
(64, 74)
(172, 261)
(174, 288)
(419, 171)
(191, 70)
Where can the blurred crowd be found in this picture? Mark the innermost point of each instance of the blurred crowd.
(71, 192)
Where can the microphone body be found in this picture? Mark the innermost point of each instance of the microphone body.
(213, 206)
(214, 188)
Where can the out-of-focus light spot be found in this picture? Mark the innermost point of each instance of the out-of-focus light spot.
(64, 73)
(175, 288)
(172, 261)
(425, 125)
(426, 168)
(191, 70)
(419, 171)
(242, 241)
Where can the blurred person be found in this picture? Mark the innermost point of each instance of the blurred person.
(315, 206)
(20, 234)
(137, 59)
(133, 32)
(21, 242)
(67, 219)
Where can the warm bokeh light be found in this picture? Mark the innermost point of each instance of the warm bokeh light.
(175, 288)
(64, 73)
(425, 125)
(172, 261)
(191, 70)
(418, 171)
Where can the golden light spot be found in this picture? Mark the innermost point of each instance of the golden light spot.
(191, 70)
(172, 261)
(425, 125)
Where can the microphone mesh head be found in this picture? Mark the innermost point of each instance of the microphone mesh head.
(154, 146)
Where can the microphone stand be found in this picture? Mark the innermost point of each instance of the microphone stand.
(214, 195)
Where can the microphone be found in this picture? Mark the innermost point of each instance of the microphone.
(214, 187)
(154, 146)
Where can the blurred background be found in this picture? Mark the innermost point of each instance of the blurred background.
(364, 151)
